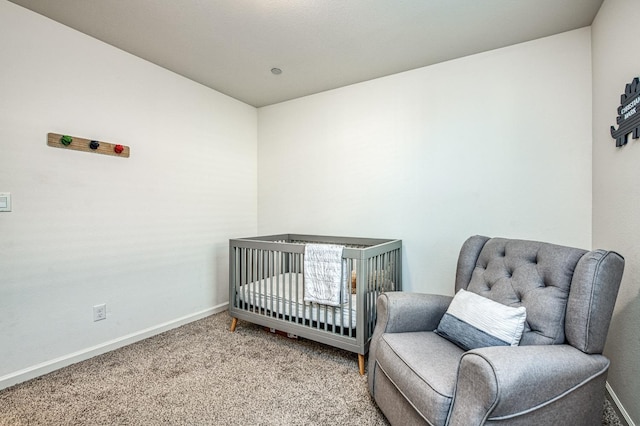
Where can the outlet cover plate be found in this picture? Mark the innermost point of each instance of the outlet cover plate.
(99, 312)
(5, 201)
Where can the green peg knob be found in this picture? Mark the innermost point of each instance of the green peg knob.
(66, 140)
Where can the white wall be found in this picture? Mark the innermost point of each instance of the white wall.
(616, 190)
(497, 144)
(147, 235)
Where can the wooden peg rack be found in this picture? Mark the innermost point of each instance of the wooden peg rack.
(87, 145)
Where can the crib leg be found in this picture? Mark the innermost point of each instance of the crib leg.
(234, 323)
(361, 364)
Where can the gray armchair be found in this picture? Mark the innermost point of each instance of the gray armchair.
(557, 373)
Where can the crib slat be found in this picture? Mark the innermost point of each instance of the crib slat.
(299, 284)
(291, 257)
(278, 283)
(306, 308)
(243, 275)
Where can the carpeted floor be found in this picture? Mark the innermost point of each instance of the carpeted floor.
(202, 374)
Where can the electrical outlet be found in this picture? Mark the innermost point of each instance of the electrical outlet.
(5, 201)
(100, 312)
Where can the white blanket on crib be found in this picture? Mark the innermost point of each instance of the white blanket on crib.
(324, 280)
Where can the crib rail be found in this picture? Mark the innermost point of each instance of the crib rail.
(266, 287)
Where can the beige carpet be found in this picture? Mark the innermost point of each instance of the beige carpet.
(201, 374)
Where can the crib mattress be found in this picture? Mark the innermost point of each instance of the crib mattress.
(284, 294)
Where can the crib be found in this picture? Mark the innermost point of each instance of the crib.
(266, 287)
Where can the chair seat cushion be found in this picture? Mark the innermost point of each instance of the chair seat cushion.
(423, 367)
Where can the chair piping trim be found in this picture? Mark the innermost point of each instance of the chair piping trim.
(552, 400)
(496, 399)
(591, 298)
(403, 394)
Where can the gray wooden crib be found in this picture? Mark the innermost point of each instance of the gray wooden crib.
(266, 287)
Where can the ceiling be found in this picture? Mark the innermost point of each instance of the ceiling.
(232, 45)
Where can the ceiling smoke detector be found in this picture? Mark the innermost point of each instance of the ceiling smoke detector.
(276, 71)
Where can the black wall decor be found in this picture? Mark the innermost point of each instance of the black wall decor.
(628, 114)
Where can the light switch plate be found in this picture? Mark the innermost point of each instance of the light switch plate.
(5, 201)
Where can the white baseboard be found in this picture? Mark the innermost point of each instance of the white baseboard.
(72, 358)
(619, 407)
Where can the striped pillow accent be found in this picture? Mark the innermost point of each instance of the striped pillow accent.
(473, 321)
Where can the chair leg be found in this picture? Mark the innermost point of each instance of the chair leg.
(234, 323)
(361, 364)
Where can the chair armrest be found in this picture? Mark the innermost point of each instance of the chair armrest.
(492, 381)
(400, 312)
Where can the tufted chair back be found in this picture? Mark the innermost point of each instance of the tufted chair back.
(565, 290)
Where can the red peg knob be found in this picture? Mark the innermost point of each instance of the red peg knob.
(118, 149)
